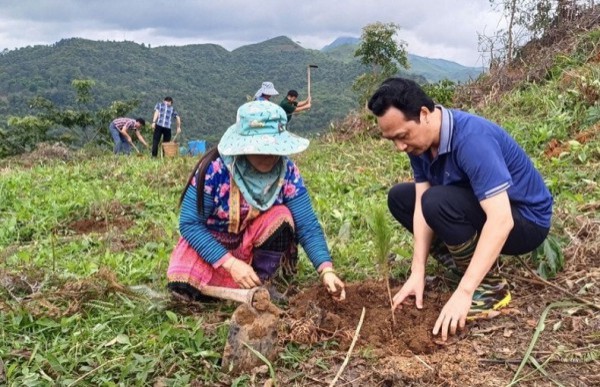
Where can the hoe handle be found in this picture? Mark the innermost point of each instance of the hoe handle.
(238, 295)
(308, 78)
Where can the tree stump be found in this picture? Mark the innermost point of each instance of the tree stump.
(255, 325)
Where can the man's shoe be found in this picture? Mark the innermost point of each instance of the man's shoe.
(492, 294)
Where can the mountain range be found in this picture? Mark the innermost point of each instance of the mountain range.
(206, 81)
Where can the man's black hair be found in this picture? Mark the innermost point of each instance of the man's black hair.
(292, 93)
(141, 121)
(403, 94)
(169, 99)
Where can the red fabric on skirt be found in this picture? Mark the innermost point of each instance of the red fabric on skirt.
(187, 266)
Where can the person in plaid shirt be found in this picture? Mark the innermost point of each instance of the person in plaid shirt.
(119, 130)
(164, 113)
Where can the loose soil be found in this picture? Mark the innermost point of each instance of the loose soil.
(319, 317)
(486, 353)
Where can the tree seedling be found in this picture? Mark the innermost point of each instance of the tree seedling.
(383, 242)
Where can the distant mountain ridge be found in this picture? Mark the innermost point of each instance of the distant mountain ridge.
(341, 41)
(207, 81)
(431, 69)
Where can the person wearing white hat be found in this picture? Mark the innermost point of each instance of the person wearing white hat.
(243, 209)
(266, 91)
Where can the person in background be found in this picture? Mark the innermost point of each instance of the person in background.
(291, 104)
(243, 209)
(164, 113)
(266, 91)
(476, 195)
(119, 129)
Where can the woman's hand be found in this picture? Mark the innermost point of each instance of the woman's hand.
(334, 285)
(242, 273)
(414, 286)
(454, 313)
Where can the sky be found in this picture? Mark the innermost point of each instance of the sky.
(446, 29)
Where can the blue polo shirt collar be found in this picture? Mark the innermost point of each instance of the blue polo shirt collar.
(446, 131)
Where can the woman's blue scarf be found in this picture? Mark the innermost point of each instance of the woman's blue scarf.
(259, 189)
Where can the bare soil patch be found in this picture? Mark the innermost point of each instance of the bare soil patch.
(486, 353)
(88, 226)
(315, 317)
(106, 216)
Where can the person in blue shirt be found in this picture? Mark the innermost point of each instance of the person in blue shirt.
(243, 209)
(164, 114)
(475, 195)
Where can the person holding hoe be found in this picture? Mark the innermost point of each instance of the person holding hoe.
(476, 194)
(291, 105)
(243, 209)
(119, 130)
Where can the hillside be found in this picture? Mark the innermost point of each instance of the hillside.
(206, 81)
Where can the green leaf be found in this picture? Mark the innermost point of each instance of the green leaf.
(172, 316)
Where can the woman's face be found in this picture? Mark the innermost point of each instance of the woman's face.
(263, 163)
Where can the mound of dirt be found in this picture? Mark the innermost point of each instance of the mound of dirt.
(45, 152)
(315, 317)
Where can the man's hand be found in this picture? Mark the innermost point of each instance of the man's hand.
(153, 126)
(242, 273)
(178, 130)
(454, 313)
(334, 285)
(414, 286)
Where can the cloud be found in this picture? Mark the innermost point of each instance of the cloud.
(437, 29)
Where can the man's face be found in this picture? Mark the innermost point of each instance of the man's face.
(169, 102)
(292, 99)
(137, 125)
(407, 136)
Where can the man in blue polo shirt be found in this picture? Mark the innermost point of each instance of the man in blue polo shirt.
(476, 194)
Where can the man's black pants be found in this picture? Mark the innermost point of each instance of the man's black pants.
(455, 215)
(159, 131)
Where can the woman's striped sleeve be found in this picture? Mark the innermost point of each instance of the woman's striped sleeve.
(309, 231)
(193, 227)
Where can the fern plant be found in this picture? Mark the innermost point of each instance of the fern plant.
(383, 242)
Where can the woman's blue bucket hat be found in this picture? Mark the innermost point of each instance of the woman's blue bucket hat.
(261, 130)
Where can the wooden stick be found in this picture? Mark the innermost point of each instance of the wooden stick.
(538, 278)
(424, 363)
(238, 295)
(347, 359)
(389, 291)
(134, 147)
(308, 76)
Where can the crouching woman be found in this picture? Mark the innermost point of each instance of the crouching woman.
(244, 208)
